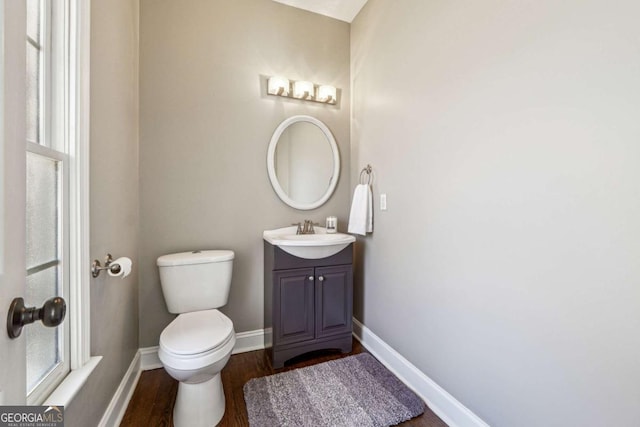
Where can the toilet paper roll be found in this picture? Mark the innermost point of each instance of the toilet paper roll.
(125, 267)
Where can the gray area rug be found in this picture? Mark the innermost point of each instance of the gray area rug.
(353, 391)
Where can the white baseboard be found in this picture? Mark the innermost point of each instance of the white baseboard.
(149, 358)
(249, 341)
(452, 412)
(120, 400)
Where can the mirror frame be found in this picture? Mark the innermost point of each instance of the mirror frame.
(271, 153)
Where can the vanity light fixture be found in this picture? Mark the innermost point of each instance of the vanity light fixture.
(301, 89)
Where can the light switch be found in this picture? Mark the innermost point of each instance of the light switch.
(383, 202)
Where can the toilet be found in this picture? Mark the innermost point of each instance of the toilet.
(197, 344)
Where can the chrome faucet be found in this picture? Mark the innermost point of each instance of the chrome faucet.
(308, 227)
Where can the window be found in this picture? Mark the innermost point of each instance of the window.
(47, 197)
(57, 199)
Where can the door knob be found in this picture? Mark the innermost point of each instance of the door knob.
(321, 278)
(51, 314)
(310, 277)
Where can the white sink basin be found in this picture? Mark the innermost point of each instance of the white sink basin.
(309, 246)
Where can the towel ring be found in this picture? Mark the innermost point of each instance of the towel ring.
(367, 171)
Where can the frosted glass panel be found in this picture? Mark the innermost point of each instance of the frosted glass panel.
(42, 210)
(33, 94)
(43, 346)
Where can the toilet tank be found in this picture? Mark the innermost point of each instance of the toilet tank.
(198, 280)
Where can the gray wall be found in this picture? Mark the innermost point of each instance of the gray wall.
(506, 137)
(114, 201)
(205, 123)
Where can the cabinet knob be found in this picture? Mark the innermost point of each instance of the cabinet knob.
(321, 278)
(310, 277)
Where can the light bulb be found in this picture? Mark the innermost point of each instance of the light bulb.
(303, 90)
(327, 94)
(278, 86)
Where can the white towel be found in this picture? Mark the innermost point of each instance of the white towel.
(361, 217)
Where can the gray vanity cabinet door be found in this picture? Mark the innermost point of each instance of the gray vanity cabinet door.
(293, 306)
(334, 300)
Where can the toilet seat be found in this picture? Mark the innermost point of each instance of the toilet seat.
(196, 332)
(196, 339)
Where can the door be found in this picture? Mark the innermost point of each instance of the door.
(293, 305)
(334, 300)
(12, 194)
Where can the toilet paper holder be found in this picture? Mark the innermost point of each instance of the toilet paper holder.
(96, 268)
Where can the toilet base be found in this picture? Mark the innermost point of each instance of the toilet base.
(199, 405)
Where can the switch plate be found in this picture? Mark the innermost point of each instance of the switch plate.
(383, 202)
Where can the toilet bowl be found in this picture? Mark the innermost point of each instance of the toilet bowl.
(196, 345)
(193, 349)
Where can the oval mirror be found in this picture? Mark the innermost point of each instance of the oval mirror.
(303, 162)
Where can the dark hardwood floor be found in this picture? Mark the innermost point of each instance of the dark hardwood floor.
(154, 396)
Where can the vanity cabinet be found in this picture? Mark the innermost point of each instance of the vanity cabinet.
(308, 303)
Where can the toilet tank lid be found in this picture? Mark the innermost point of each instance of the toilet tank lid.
(195, 257)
